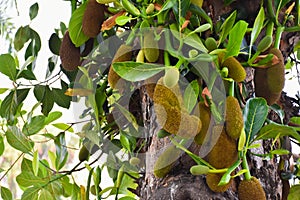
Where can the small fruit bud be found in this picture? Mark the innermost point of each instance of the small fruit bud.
(134, 161)
(171, 77)
(211, 44)
(150, 9)
(199, 170)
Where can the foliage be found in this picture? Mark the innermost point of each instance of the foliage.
(112, 129)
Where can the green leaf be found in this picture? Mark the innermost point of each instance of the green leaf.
(122, 20)
(127, 141)
(60, 98)
(6, 193)
(64, 127)
(296, 121)
(227, 26)
(280, 152)
(31, 193)
(27, 74)
(34, 125)
(18, 140)
(8, 66)
(61, 151)
(27, 179)
(54, 43)
(255, 113)
(257, 27)
(21, 37)
(3, 90)
(52, 117)
(34, 46)
(26, 165)
(45, 195)
(127, 198)
(47, 101)
(35, 163)
(75, 26)
(236, 36)
(39, 92)
(294, 192)
(277, 130)
(191, 95)
(33, 11)
(1, 145)
(134, 71)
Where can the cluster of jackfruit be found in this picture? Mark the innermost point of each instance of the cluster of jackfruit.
(123, 54)
(69, 53)
(93, 18)
(269, 82)
(235, 70)
(251, 190)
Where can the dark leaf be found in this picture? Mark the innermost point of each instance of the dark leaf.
(33, 11)
(54, 43)
(60, 98)
(21, 37)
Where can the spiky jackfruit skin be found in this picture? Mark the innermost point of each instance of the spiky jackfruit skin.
(171, 115)
(165, 161)
(269, 82)
(276, 73)
(212, 180)
(69, 54)
(234, 118)
(205, 117)
(224, 153)
(93, 18)
(124, 53)
(150, 47)
(235, 70)
(251, 190)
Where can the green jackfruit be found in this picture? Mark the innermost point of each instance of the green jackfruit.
(211, 44)
(150, 46)
(235, 70)
(83, 154)
(93, 18)
(205, 117)
(224, 153)
(171, 77)
(251, 190)
(69, 54)
(275, 73)
(234, 118)
(212, 180)
(165, 161)
(124, 53)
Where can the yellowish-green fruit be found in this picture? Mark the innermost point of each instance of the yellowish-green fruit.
(205, 117)
(150, 9)
(124, 53)
(235, 70)
(213, 180)
(150, 46)
(140, 57)
(224, 153)
(93, 18)
(234, 118)
(275, 73)
(165, 161)
(134, 161)
(199, 170)
(171, 77)
(69, 54)
(83, 154)
(251, 190)
(211, 44)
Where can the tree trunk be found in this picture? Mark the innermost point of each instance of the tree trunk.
(179, 183)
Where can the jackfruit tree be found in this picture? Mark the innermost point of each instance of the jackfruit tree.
(173, 99)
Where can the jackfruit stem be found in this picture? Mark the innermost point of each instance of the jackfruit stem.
(166, 58)
(270, 27)
(279, 32)
(246, 167)
(250, 62)
(179, 62)
(231, 89)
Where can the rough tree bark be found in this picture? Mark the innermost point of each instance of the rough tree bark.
(179, 183)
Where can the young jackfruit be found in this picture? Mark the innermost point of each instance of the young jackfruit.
(150, 46)
(234, 118)
(69, 54)
(212, 180)
(205, 117)
(251, 190)
(124, 53)
(211, 44)
(224, 153)
(171, 77)
(83, 154)
(235, 70)
(93, 18)
(165, 161)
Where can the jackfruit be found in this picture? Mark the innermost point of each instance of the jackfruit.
(134, 161)
(150, 47)
(211, 44)
(224, 153)
(165, 161)
(150, 8)
(199, 170)
(235, 70)
(124, 53)
(93, 18)
(205, 117)
(83, 154)
(275, 73)
(251, 190)
(212, 180)
(140, 56)
(171, 77)
(69, 54)
(234, 118)
(88, 47)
